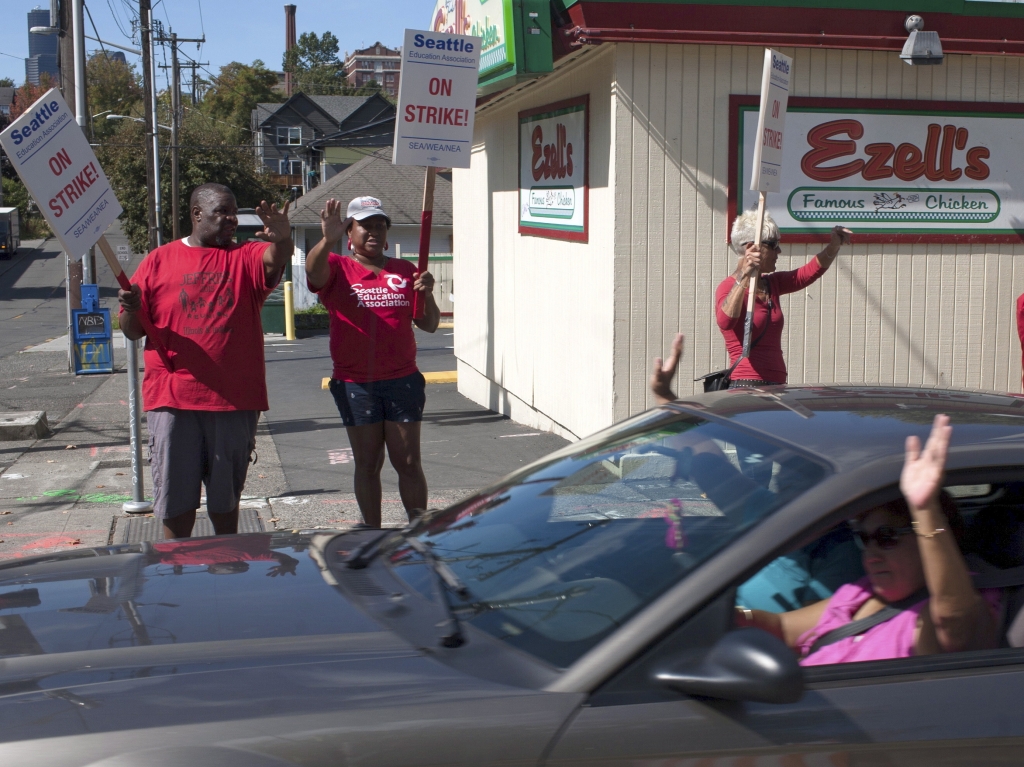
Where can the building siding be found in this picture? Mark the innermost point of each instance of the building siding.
(940, 315)
(536, 343)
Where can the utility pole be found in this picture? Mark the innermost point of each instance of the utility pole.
(175, 127)
(174, 40)
(148, 87)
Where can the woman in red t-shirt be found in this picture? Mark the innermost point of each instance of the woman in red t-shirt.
(377, 387)
(765, 365)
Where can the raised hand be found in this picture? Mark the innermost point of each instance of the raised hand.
(923, 470)
(663, 373)
(840, 236)
(276, 227)
(331, 223)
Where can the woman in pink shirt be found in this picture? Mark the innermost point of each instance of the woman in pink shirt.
(765, 365)
(914, 564)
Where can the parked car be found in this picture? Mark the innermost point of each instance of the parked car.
(580, 612)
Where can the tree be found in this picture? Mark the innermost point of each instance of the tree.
(28, 94)
(235, 92)
(314, 66)
(206, 155)
(112, 86)
(6, 82)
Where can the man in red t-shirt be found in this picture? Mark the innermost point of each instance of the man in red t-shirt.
(206, 386)
(377, 387)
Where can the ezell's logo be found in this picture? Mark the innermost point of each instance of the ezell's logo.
(368, 298)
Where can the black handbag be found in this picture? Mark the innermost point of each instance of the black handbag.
(720, 379)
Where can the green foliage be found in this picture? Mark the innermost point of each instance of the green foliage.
(32, 225)
(315, 67)
(113, 87)
(6, 82)
(236, 92)
(28, 94)
(207, 154)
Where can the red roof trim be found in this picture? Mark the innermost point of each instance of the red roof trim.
(795, 27)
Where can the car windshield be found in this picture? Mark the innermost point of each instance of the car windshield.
(563, 552)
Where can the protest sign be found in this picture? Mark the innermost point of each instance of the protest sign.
(436, 99)
(766, 175)
(53, 158)
(436, 107)
(767, 164)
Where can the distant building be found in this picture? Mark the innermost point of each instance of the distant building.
(112, 56)
(42, 49)
(379, 64)
(308, 139)
(6, 99)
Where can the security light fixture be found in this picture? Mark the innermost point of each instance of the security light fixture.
(921, 47)
(44, 30)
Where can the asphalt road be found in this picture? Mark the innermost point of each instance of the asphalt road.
(464, 446)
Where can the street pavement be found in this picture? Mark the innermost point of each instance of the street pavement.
(66, 490)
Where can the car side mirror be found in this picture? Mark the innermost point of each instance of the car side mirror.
(745, 664)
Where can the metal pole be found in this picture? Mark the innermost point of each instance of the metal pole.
(138, 504)
(175, 120)
(156, 129)
(289, 312)
(78, 43)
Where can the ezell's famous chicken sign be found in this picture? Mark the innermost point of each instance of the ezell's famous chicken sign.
(54, 159)
(897, 170)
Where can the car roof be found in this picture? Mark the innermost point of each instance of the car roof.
(851, 425)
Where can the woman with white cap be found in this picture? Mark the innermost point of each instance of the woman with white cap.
(377, 387)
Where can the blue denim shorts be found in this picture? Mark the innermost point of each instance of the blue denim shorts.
(400, 400)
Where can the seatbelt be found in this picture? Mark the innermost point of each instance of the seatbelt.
(853, 628)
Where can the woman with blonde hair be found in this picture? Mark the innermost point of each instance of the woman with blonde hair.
(765, 365)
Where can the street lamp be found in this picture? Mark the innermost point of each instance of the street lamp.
(56, 31)
(128, 117)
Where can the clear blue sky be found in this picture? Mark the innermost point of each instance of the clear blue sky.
(236, 30)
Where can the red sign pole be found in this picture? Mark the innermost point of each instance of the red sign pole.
(125, 283)
(426, 220)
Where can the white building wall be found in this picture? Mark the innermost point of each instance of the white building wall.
(535, 338)
(890, 314)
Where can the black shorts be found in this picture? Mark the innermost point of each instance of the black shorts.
(400, 400)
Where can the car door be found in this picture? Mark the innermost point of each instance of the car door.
(949, 710)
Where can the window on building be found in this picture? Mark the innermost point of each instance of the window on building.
(290, 167)
(390, 79)
(289, 136)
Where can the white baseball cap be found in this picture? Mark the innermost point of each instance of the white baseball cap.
(364, 207)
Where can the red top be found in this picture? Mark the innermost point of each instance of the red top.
(205, 304)
(765, 361)
(371, 319)
(1020, 329)
(212, 551)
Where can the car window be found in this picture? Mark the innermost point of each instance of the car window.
(988, 525)
(567, 551)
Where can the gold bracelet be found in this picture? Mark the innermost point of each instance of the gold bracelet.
(748, 615)
(932, 534)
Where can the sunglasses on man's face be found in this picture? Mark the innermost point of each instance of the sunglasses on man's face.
(770, 244)
(886, 537)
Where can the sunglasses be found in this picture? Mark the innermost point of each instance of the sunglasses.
(886, 537)
(770, 244)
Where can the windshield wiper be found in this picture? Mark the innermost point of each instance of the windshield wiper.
(362, 555)
(446, 581)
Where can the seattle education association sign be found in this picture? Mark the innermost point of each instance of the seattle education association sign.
(553, 168)
(893, 170)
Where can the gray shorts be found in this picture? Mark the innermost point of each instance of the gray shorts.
(190, 448)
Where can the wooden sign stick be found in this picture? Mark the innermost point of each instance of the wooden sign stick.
(426, 221)
(748, 325)
(125, 283)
